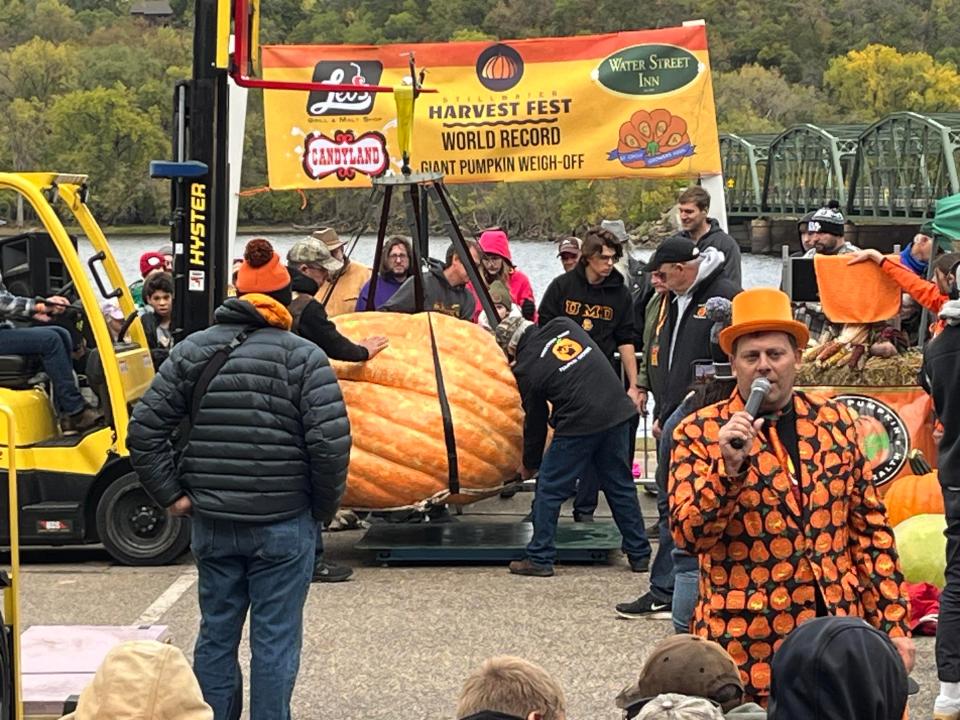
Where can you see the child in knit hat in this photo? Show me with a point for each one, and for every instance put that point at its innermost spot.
(502, 303)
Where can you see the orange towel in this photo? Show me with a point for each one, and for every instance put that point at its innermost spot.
(860, 293)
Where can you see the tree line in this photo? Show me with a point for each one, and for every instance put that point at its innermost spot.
(85, 86)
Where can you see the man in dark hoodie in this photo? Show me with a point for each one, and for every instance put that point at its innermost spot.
(310, 264)
(833, 668)
(265, 459)
(694, 206)
(444, 288)
(595, 296)
(940, 376)
(565, 381)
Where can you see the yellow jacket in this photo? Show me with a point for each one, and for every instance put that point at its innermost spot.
(142, 680)
(343, 299)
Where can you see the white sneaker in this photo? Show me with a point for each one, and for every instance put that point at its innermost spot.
(945, 708)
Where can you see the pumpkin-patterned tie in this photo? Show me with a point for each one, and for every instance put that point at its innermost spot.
(786, 462)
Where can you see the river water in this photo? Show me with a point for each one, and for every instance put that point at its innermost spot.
(537, 259)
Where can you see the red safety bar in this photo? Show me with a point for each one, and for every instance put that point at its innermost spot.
(241, 65)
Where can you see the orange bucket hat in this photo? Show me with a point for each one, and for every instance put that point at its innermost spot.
(758, 310)
(261, 270)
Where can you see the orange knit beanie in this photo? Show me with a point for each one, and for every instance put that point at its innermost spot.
(261, 270)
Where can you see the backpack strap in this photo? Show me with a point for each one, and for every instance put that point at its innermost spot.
(181, 435)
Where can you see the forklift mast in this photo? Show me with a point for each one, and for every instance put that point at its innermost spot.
(200, 183)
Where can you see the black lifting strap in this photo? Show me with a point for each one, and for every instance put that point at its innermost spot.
(448, 437)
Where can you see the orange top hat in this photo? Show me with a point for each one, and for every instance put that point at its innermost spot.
(762, 309)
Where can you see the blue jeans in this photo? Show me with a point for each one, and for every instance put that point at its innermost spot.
(54, 345)
(948, 626)
(686, 589)
(565, 460)
(662, 570)
(588, 486)
(265, 567)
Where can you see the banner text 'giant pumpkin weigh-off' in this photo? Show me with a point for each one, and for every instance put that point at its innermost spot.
(633, 104)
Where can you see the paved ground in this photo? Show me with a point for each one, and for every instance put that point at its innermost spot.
(397, 642)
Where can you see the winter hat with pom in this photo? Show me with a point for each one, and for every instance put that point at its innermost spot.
(261, 270)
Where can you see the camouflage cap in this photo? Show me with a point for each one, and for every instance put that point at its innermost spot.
(313, 251)
(509, 332)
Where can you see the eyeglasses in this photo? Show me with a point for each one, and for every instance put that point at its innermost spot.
(397, 256)
(490, 258)
(611, 259)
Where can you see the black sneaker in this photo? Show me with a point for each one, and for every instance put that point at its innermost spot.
(328, 573)
(640, 565)
(645, 606)
(583, 517)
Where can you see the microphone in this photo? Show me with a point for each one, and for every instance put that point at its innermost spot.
(758, 391)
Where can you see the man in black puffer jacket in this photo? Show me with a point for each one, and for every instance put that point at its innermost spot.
(265, 460)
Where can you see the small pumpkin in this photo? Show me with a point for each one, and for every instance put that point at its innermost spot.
(916, 494)
(656, 132)
(399, 456)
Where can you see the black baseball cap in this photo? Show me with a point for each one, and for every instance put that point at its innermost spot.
(675, 249)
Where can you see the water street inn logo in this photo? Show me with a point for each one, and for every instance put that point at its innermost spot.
(343, 72)
(499, 67)
(884, 438)
(648, 70)
(345, 155)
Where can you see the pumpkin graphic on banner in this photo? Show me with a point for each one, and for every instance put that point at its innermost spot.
(499, 67)
(655, 138)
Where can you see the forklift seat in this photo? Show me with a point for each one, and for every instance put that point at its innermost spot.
(20, 372)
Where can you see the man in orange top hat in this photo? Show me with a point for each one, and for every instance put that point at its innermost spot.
(780, 508)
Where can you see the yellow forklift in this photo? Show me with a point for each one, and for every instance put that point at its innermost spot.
(77, 489)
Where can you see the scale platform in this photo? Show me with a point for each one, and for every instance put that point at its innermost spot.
(478, 542)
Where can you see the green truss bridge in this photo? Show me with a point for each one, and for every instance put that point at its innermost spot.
(887, 177)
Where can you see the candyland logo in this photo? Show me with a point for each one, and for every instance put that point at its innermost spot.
(345, 155)
(343, 72)
(884, 438)
(654, 138)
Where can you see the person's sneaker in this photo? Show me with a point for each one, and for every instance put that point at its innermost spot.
(329, 573)
(528, 518)
(945, 708)
(80, 422)
(527, 567)
(583, 517)
(645, 606)
(640, 565)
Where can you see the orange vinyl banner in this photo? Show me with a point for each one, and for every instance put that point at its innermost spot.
(624, 105)
(890, 421)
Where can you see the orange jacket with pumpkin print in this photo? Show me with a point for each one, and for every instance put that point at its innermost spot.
(762, 555)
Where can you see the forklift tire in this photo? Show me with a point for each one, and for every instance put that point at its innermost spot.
(137, 531)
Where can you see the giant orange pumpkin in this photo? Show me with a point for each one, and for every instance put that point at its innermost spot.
(399, 455)
(916, 494)
(657, 132)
